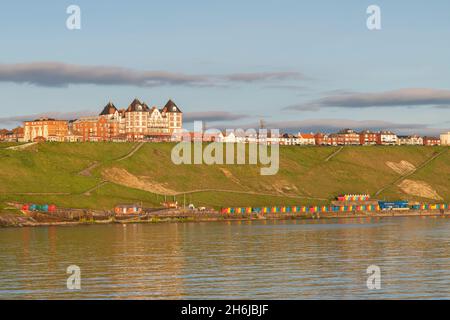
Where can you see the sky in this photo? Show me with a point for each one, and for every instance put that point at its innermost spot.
(297, 65)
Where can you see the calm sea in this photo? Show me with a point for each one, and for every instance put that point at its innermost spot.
(316, 259)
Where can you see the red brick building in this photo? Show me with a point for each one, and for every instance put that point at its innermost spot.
(94, 129)
(367, 137)
(3, 134)
(321, 139)
(431, 141)
(347, 137)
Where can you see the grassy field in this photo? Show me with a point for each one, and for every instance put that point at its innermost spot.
(50, 173)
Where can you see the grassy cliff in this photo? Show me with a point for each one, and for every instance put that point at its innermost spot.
(100, 175)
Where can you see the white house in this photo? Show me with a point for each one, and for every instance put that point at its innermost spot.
(445, 139)
(413, 140)
(229, 137)
(289, 140)
(306, 139)
(387, 138)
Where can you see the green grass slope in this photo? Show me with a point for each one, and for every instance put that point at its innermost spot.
(50, 173)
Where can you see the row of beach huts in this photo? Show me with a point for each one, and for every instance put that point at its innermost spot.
(325, 209)
(344, 203)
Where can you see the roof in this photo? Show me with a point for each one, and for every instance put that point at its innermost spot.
(44, 119)
(414, 136)
(171, 107)
(347, 131)
(137, 106)
(110, 108)
(306, 135)
(367, 132)
(320, 135)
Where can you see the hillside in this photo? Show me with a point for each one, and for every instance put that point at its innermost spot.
(100, 175)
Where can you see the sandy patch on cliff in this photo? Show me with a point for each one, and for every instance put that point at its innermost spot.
(284, 187)
(123, 177)
(419, 188)
(230, 176)
(403, 167)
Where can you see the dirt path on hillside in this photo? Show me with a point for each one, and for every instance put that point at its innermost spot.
(21, 146)
(230, 176)
(331, 156)
(132, 152)
(98, 186)
(253, 193)
(123, 177)
(88, 171)
(38, 193)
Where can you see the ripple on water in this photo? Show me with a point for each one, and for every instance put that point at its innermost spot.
(324, 259)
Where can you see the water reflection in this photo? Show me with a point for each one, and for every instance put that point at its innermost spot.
(251, 259)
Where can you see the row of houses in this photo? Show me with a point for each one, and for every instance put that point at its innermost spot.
(365, 137)
(138, 122)
(13, 135)
(97, 129)
(341, 138)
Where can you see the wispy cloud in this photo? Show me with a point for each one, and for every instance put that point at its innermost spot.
(292, 87)
(334, 125)
(57, 74)
(207, 116)
(411, 97)
(17, 120)
(213, 116)
(264, 76)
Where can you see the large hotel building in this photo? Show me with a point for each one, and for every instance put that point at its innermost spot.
(136, 123)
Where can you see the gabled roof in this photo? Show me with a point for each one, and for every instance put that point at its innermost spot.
(171, 107)
(110, 108)
(137, 106)
(367, 132)
(17, 130)
(306, 135)
(347, 131)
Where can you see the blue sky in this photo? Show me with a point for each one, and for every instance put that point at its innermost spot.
(298, 65)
